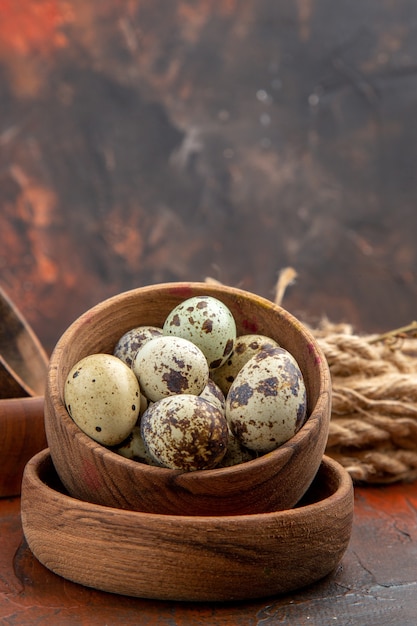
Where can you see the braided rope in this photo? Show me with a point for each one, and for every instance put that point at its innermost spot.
(373, 425)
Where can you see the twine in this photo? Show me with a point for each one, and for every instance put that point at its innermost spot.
(373, 425)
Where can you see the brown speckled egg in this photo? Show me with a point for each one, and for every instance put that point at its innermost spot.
(134, 448)
(102, 396)
(213, 393)
(245, 347)
(266, 404)
(167, 366)
(128, 345)
(208, 323)
(236, 453)
(185, 432)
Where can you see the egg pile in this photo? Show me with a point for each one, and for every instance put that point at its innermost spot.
(191, 394)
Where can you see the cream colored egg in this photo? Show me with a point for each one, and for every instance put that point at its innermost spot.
(185, 432)
(208, 323)
(166, 366)
(266, 404)
(102, 396)
(245, 347)
(129, 343)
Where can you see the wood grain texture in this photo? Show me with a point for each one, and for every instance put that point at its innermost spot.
(374, 584)
(276, 480)
(187, 558)
(22, 435)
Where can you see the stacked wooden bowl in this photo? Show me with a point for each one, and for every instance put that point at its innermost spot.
(265, 526)
(23, 367)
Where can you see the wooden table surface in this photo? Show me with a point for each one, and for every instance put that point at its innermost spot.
(375, 584)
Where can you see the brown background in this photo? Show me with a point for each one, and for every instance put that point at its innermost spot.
(151, 140)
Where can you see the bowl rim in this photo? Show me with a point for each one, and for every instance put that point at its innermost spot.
(321, 406)
(42, 461)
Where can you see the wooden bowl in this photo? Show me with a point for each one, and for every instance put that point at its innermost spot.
(23, 361)
(22, 435)
(274, 481)
(23, 367)
(192, 558)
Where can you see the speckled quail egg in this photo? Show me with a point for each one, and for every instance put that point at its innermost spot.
(236, 453)
(266, 404)
(102, 395)
(129, 343)
(170, 365)
(207, 322)
(245, 347)
(185, 432)
(213, 393)
(134, 448)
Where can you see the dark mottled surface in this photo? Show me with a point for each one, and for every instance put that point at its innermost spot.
(149, 141)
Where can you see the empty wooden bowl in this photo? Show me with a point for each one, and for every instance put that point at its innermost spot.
(193, 558)
(271, 482)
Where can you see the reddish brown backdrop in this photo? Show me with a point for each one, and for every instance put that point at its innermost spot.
(145, 141)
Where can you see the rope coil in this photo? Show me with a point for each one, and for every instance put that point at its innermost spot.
(373, 425)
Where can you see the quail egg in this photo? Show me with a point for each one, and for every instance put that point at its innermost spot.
(208, 323)
(102, 395)
(213, 393)
(266, 403)
(134, 448)
(236, 453)
(245, 347)
(185, 432)
(170, 365)
(129, 343)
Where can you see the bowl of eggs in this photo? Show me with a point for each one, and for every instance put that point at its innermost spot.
(186, 425)
(188, 399)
